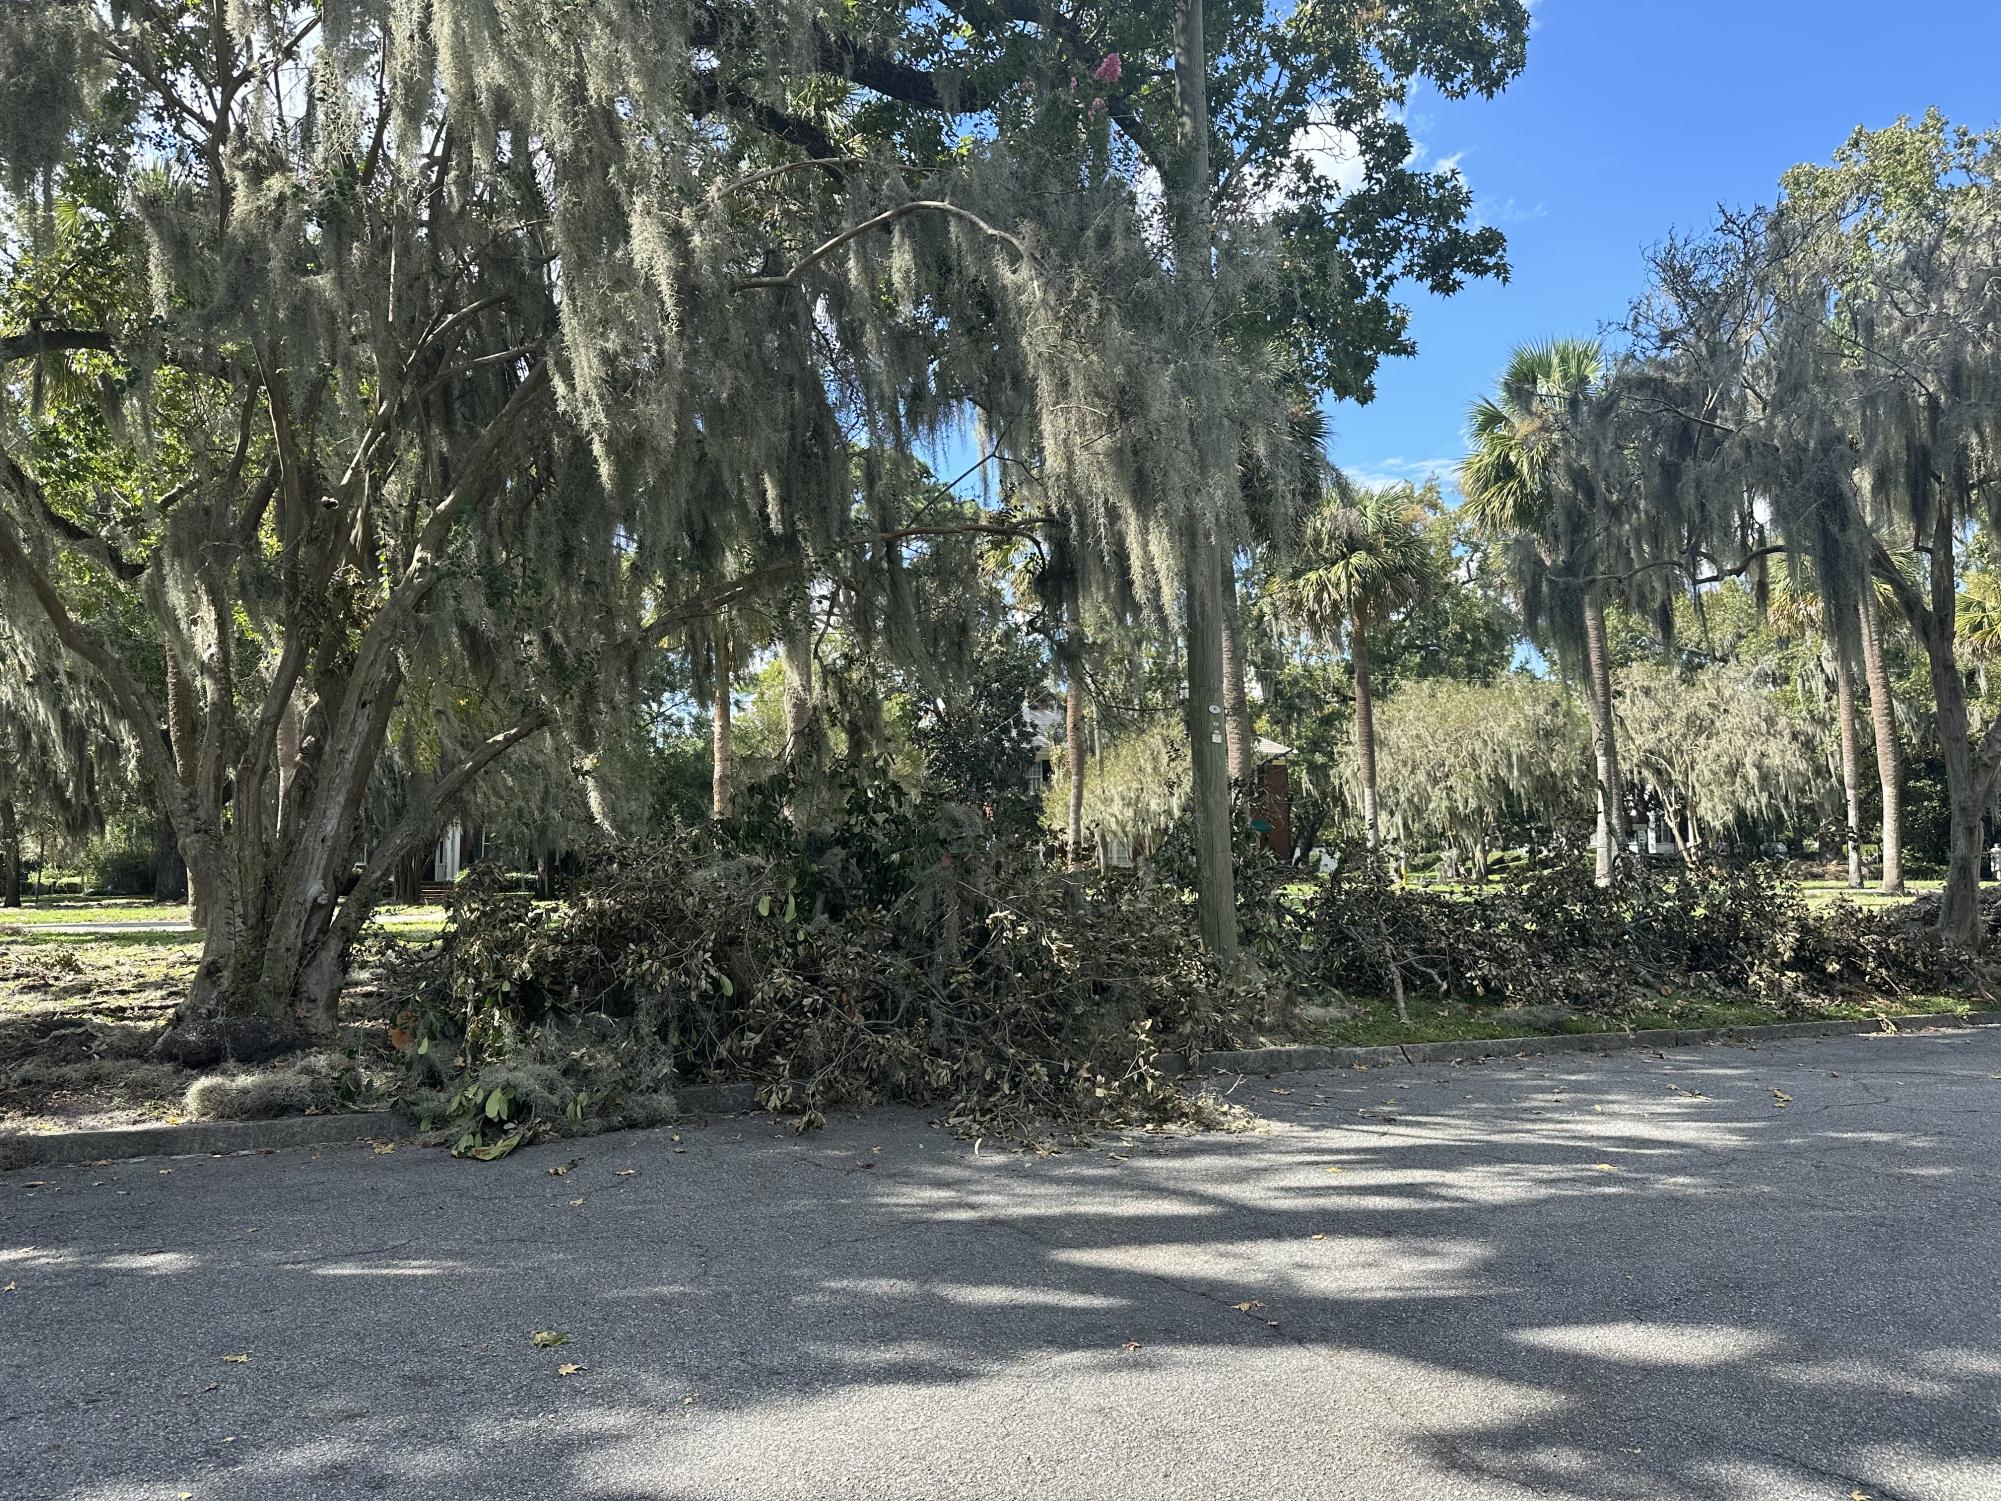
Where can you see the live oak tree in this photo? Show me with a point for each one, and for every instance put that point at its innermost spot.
(343, 353)
(530, 339)
(1831, 369)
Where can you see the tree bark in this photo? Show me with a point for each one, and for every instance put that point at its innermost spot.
(1202, 564)
(1216, 899)
(723, 739)
(184, 735)
(1365, 731)
(1237, 733)
(795, 649)
(288, 756)
(1851, 764)
(1959, 908)
(1073, 740)
(10, 854)
(1889, 759)
(1604, 746)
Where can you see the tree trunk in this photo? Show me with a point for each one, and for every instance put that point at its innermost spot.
(1365, 732)
(1073, 745)
(170, 871)
(1237, 732)
(184, 735)
(407, 884)
(10, 854)
(1959, 909)
(1851, 764)
(1889, 759)
(723, 739)
(1216, 899)
(1681, 845)
(795, 650)
(1604, 747)
(1202, 563)
(288, 761)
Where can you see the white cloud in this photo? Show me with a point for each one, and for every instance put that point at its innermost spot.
(1398, 470)
(1335, 153)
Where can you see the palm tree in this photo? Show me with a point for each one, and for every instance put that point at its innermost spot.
(1363, 557)
(1523, 486)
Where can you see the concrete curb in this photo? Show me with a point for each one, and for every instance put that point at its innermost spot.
(1284, 1060)
(199, 1138)
(219, 1138)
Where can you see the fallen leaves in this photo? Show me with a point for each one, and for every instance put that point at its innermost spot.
(1606, 1167)
(1251, 1305)
(237, 1359)
(569, 1370)
(627, 1172)
(557, 1172)
(1318, 1235)
(1129, 1346)
(1780, 1099)
(8, 1288)
(548, 1339)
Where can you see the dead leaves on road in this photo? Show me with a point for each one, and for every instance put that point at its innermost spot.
(548, 1339)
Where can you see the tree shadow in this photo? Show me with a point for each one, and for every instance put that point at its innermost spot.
(1726, 1274)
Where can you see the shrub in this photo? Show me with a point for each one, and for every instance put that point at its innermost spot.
(903, 951)
(1553, 936)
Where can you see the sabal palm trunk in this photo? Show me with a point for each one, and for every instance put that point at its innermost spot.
(1889, 759)
(1073, 756)
(1237, 731)
(1851, 764)
(1365, 732)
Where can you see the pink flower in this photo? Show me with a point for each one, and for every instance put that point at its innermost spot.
(1109, 70)
(1097, 108)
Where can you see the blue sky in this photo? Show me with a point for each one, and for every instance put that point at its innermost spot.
(1633, 118)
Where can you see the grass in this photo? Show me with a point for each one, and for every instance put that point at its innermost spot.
(41, 911)
(54, 911)
(1374, 1020)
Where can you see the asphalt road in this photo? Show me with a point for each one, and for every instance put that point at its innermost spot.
(1723, 1273)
